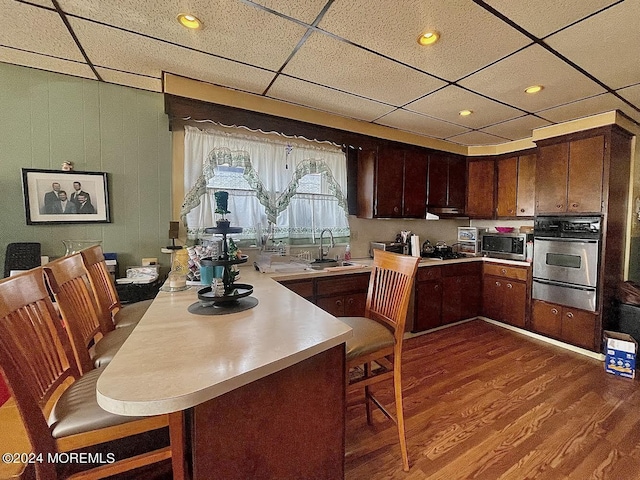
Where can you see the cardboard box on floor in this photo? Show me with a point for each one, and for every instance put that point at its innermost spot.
(620, 354)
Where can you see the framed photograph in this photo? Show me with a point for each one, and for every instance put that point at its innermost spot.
(57, 196)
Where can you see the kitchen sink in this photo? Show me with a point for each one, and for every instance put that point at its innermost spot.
(319, 264)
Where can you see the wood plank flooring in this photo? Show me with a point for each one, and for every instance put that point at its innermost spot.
(484, 402)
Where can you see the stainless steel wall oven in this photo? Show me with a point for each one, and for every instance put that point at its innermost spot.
(565, 260)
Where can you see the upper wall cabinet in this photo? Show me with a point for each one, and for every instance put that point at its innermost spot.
(446, 184)
(569, 176)
(480, 187)
(516, 186)
(392, 183)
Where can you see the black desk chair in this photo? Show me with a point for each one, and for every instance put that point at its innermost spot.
(21, 256)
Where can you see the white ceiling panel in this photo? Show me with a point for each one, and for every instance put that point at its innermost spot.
(43, 62)
(470, 36)
(606, 45)
(316, 96)
(306, 11)
(633, 95)
(327, 61)
(137, 81)
(587, 107)
(476, 138)
(421, 124)
(232, 29)
(446, 103)
(543, 17)
(120, 50)
(507, 79)
(51, 37)
(518, 128)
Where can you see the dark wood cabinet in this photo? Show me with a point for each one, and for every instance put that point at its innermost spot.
(343, 295)
(480, 188)
(392, 183)
(304, 288)
(571, 325)
(516, 186)
(569, 176)
(505, 293)
(428, 299)
(446, 184)
(461, 291)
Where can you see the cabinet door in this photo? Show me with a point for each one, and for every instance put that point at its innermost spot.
(428, 305)
(579, 327)
(507, 185)
(526, 196)
(354, 304)
(480, 187)
(546, 318)
(551, 178)
(438, 181)
(389, 183)
(304, 288)
(415, 184)
(452, 292)
(514, 307)
(586, 161)
(457, 182)
(492, 297)
(333, 305)
(471, 296)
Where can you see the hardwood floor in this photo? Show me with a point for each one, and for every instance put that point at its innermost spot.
(484, 402)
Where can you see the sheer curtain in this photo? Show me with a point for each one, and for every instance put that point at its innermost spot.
(283, 186)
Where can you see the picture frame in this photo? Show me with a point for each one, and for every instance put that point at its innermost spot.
(87, 197)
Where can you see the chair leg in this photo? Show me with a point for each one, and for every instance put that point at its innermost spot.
(397, 387)
(367, 394)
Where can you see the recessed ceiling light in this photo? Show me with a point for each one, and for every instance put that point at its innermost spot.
(465, 113)
(189, 21)
(533, 89)
(428, 38)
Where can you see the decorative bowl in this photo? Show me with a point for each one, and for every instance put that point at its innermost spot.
(504, 229)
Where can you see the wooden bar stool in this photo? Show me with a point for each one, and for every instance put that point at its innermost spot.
(374, 352)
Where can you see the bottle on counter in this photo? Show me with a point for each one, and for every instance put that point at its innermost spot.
(347, 253)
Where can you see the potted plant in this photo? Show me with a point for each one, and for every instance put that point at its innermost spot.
(222, 201)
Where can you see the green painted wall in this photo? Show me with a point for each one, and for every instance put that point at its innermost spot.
(47, 118)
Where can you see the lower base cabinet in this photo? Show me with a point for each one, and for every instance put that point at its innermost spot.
(505, 294)
(567, 324)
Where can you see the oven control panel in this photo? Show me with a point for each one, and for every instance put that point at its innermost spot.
(568, 227)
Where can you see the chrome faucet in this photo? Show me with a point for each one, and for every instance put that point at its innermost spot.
(331, 243)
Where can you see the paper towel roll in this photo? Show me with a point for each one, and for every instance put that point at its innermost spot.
(415, 246)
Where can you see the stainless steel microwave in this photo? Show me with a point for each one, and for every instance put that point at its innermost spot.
(510, 246)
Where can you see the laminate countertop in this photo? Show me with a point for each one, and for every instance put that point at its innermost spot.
(175, 360)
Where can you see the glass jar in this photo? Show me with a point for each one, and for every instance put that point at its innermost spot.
(74, 246)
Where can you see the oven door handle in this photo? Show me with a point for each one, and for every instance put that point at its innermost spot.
(564, 284)
(565, 239)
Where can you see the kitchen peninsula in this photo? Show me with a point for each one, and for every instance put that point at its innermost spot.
(263, 390)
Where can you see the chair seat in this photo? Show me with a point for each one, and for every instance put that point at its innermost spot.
(108, 346)
(77, 409)
(368, 336)
(131, 313)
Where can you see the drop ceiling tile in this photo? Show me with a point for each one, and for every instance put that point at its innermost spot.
(470, 37)
(46, 33)
(447, 102)
(232, 29)
(323, 98)
(306, 11)
(518, 128)
(605, 102)
(119, 50)
(507, 79)
(605, 45)
(42, 62)
(543, 17)
(633, 95)
(327, 61)
(421, 124)
(476, 138)
(130, 80)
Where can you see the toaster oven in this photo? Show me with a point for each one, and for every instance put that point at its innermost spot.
(395, 247)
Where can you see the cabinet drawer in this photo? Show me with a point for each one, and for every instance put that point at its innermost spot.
(508, 271)
(340, 284)
(428, 273)
(304, 288)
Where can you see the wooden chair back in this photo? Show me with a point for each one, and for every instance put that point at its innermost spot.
(84, 319)
(36, 357)
(390, 288)
(101, 282)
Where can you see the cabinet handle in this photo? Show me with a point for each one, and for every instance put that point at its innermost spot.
(574, 205)
(436, 287)
(509, 285)
(338, 303)
(395, 209)
(569, 315)
(503, 271)
(522, 210)
(554, 311)
(350, 301)
(559, 206)
(498, 284)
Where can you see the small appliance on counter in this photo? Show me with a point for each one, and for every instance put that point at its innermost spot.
(395, 247)
(470, 240)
